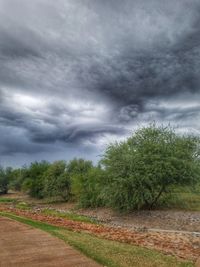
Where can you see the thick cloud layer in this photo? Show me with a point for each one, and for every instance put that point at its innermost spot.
(77, 74)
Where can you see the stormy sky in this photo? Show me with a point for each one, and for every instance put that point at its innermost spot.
(78, 74)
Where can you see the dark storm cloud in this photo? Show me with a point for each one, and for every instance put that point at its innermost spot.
(87, 71)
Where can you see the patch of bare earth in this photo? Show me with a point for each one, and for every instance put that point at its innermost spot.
(155, 219)
(24, 246)
(198, 263)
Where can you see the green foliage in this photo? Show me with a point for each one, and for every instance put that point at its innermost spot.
(142, 168)
(17, 178)
(33, 181)
(5, 175)
(79, 166)
(7, 200)
(182, 198)
(86, 182)
(78, 170)
(88, 186)
(57, 181)
(23, 206)
(69, 215)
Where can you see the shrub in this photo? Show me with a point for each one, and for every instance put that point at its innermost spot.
(87, 187)
(33, 181)
(57, 181)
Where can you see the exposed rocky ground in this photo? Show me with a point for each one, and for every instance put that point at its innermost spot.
(156, 219)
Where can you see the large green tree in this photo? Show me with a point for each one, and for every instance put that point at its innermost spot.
(140, 169)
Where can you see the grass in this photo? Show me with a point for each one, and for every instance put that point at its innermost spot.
(107, 253)
(7, 200)
(183, 198)
(69, 215)
(23, 206)
(18, 205)
(185, 201)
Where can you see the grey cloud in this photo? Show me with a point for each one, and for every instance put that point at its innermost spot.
(77, 71)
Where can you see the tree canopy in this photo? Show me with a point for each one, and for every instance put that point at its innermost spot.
(147, 164)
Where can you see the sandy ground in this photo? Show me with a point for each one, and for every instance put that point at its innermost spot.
(198, 263)
(24, 246)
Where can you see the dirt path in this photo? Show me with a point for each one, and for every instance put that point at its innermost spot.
(24, 246)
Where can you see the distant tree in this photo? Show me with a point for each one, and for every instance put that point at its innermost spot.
(16, 179)
(140, 169)
(79, 166)
(88, 187)
(57, 181)
(78, 170)
(3, 182)
(5, 177)
(33, 178)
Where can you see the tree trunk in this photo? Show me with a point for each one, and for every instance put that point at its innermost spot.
(157, 197)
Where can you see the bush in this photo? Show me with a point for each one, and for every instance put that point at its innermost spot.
(78, 170)
(57, 181)
(5, 175)
(33, 178)
(87, 187)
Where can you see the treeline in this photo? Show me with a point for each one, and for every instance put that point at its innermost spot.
(77, 180)
(132, 174)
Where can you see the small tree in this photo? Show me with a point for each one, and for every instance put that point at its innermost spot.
(3, 182)
(78, 170)
(5, 178)
(89, 187)
(57, 181)
(86, 182)
(16, 179)
(33, 180)
(145, 166)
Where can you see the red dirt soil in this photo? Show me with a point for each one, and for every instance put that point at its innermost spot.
(24, 246)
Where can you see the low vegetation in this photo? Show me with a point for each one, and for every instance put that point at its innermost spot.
(182, 198)
(68, 215)
(7, 200)
(108, 253)
(142, 172)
